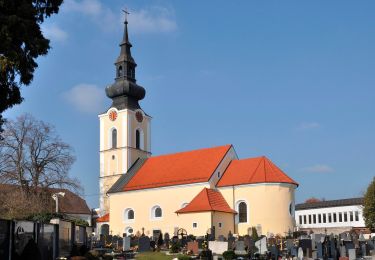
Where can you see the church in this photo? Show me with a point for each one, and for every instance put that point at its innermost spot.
(199, 190)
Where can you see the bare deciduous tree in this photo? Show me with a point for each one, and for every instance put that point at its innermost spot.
(33, 156)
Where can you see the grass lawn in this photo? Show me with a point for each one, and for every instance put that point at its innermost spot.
(154, 256)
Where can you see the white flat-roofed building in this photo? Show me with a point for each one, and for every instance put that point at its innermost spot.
(333, 216)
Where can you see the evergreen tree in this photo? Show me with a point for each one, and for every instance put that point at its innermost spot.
(369, 206)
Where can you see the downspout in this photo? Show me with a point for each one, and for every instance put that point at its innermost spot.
(234, 215)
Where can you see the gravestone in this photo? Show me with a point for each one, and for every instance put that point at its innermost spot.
(293, 252)
(221, 238)
(306, 246)
(289, 244)
(174, 239)
(319, 250)
(274, 252)
(364, 249)
(126, 244)
(144, 244)
(152, 244)
(240, 248)
(193, 247)
(261, 244)
(200, 241)
(351, 253)
(218, 247)
(342, 251)
(231, 242)
(249, 243)
(300, 253)
(166, 240)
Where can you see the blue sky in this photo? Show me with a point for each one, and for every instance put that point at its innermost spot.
(292, 80)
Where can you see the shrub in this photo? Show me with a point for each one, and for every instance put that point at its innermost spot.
(228, 255)
(175, 248)
(183, 257)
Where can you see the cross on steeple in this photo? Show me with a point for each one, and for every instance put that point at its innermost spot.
(126, 14)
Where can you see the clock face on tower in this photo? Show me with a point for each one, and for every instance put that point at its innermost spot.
(112, 115)
(139, 116)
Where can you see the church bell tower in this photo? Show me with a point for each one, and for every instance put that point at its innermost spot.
(125, 129)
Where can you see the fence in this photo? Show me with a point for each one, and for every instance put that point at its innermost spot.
(33, 240)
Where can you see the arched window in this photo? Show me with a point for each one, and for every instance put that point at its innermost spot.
(242, 212)
(137, 139)
(119, 71)
(114, 138)
(129, 215)
(156, 212)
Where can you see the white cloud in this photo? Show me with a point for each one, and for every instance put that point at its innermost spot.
(148, 20)
(87, 7)
(152, 20)
(308, 125)
(86, 98)
(54, 33)
(318, 168)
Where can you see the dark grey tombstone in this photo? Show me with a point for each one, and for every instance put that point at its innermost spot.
(231, 242)
(342, 251)
(274, 252)
(306, 246)
(152, 244)
(319, 250)
(221, 238)
(167, 240)
(293, 251)
(248, 242)
(364, 249)
(240, 245)
(144, 244)
(200, 241)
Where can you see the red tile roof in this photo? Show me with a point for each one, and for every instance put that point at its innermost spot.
(253, 170)
(104, 218)
(207, 200)
(179, 168)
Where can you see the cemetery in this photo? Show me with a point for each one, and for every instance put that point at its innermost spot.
(296, 246)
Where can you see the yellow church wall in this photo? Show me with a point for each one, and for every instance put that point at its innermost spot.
(170, 199)
(227, 223)
(202, 219)
(267, 206)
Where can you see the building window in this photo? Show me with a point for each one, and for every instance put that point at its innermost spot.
(113, 157)
(242, 212)
(156, 212)
(329, 218)
(195, 225)
(291, 209)
(345, 216)
(351, 216)
(114, 138)
(356, 216)
(129, 214)
(139, 141)
(220, 225)
(324, 218)
(340, 216)
(300, 219)
(310, 222)
(334, 217)
(314, 218)
(304, 219)
(119, 71)
(218, 174)
(183, 205)
(320, 218)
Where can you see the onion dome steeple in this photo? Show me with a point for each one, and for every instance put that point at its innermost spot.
(125, 92)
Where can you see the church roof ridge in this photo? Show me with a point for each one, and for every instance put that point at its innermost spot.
(177, 169)
(253, 170)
